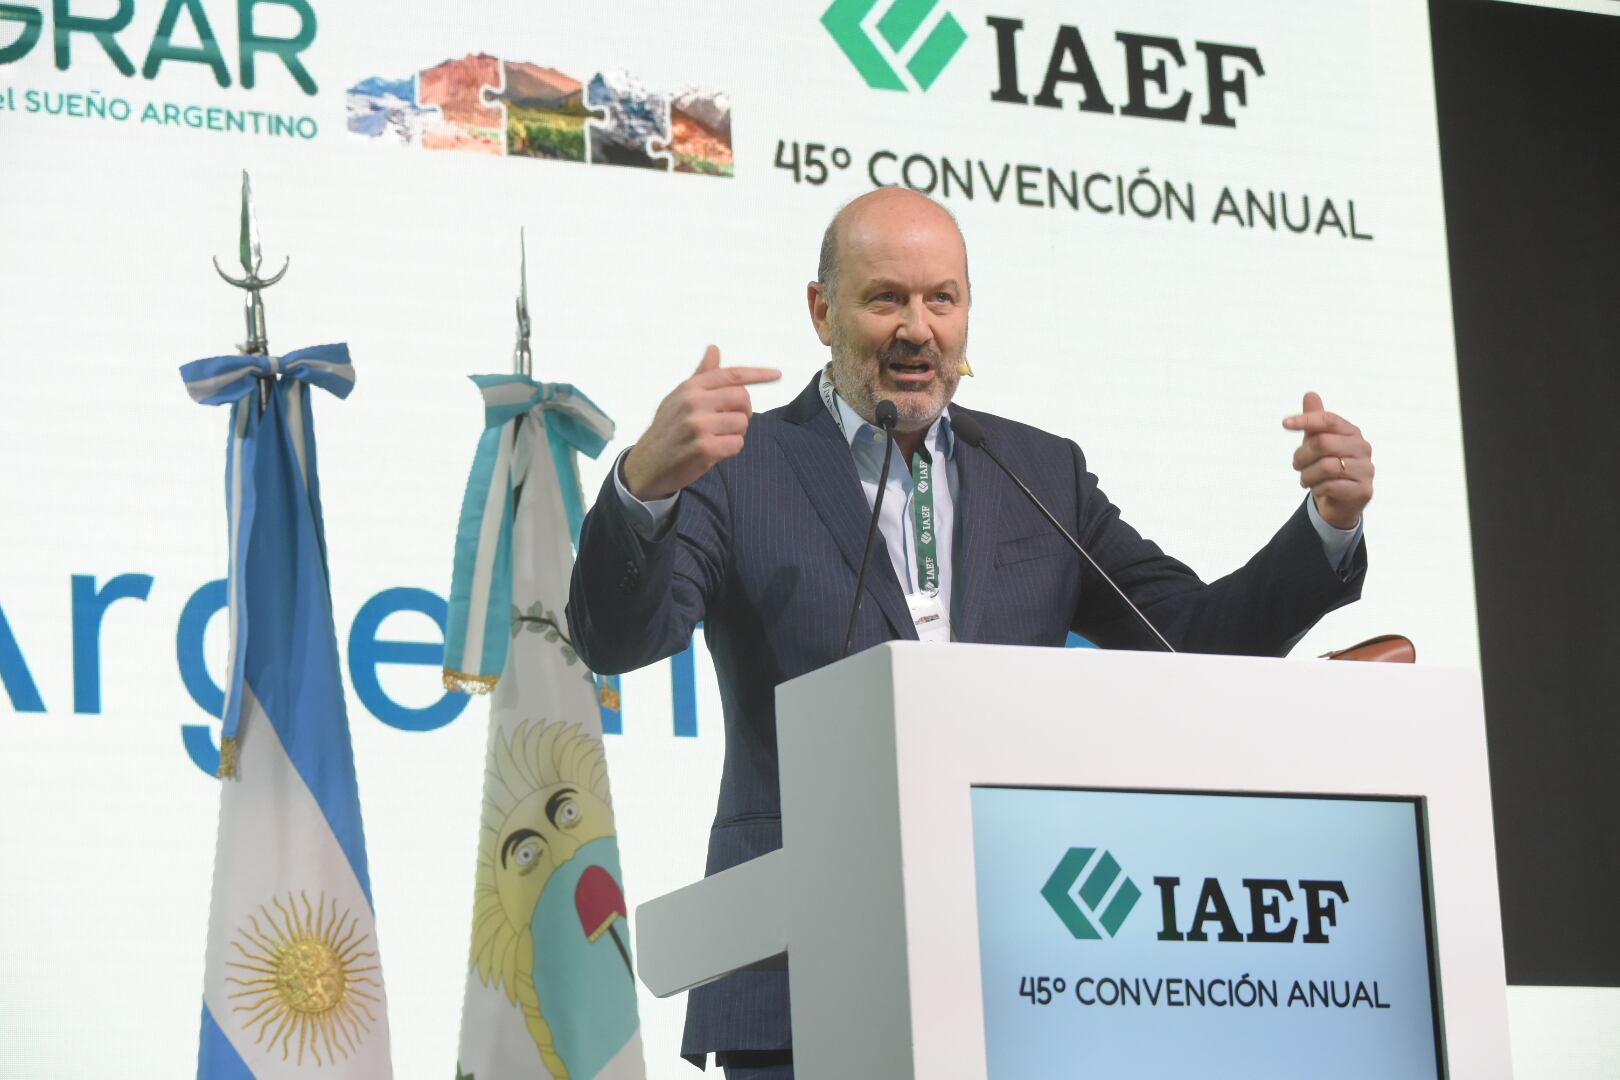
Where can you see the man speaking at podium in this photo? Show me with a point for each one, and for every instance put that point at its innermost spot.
(757, 526)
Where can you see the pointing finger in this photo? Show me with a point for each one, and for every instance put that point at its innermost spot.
(1317, 422)
(1311, 404)
(714, 378)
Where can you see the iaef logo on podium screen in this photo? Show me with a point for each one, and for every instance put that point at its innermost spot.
(1091, 895)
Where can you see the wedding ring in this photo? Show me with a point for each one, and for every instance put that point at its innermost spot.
(1344, 470)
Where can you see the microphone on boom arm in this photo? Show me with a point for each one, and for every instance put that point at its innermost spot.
(968, 430)
(887, 416)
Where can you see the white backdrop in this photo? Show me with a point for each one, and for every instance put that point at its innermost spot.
(1169, 348)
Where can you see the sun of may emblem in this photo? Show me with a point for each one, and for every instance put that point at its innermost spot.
(305, 980)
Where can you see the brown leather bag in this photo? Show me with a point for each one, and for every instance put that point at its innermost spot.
(1388, 648)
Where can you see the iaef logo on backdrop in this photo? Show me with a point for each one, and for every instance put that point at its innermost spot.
(898, 28)
(908, 44)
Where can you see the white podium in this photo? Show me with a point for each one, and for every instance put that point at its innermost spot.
(892, 759)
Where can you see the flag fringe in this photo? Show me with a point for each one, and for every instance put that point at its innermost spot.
(469, 684)
(228, 752)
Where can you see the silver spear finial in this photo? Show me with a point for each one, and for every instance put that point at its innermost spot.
(252, 257)
(522, 359)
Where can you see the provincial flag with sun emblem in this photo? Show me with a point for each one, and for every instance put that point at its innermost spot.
(550, 985)
(291, 985)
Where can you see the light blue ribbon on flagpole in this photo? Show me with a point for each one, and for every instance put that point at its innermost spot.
(235, 381)
(479, 624)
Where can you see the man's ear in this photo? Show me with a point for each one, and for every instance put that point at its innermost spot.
(817, 299)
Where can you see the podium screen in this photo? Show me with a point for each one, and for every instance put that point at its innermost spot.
(1149, 933)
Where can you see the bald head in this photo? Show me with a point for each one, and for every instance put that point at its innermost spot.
(879, 215)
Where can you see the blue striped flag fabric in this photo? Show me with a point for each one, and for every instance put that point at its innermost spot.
(292, 984)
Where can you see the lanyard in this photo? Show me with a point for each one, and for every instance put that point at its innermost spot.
(922, 500)
(922, 514)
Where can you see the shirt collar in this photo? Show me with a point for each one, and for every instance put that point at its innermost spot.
(940, 439)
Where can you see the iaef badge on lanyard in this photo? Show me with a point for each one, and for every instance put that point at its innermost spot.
(928, 617)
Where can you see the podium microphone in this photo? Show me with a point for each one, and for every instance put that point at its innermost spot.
(967, 429)
(887, 416)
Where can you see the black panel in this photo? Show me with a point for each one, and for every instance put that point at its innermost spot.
(1529, 109)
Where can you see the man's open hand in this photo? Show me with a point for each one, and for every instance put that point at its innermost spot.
(700, 424)
(1334, 461)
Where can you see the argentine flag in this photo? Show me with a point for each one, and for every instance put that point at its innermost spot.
(550, 988)
(293, 985)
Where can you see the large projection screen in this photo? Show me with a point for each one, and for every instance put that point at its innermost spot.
(1180, 215)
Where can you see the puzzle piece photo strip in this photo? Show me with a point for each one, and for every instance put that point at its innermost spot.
(486, 105)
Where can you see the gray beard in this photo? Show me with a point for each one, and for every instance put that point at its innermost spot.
(863, 396)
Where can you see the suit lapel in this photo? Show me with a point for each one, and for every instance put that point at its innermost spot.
(820, 455)
(978, 512)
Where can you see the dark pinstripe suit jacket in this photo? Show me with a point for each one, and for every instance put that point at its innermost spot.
(765, 548)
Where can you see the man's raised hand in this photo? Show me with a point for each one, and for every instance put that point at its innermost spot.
(1334, 461)
(700, 424)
